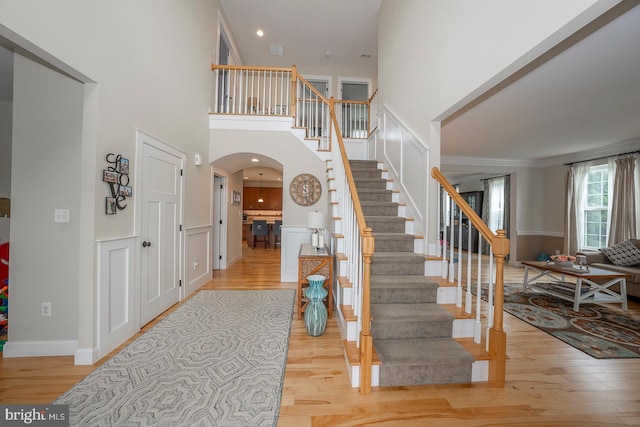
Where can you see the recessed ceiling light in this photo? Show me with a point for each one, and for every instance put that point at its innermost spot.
(246, 177)
(255, 160)
(260, 33)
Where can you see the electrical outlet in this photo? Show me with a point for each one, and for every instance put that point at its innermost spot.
(46, 309)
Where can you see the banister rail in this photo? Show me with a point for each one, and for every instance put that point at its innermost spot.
(282, 91)
(499, 243)
(367, 246)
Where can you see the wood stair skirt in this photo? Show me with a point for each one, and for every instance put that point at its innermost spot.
(412, 334)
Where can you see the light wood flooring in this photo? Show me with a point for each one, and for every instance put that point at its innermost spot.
(548, 382)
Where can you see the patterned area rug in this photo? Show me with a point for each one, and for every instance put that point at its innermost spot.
(218, 360)
(596, 330)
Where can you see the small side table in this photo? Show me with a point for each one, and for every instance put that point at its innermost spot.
(311, 262)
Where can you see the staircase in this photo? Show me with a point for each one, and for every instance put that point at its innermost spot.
(412, 334)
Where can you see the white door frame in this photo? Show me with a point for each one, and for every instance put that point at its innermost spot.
(143, 138)
(360, 80)
(219, 222)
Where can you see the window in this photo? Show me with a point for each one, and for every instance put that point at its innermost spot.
(496, 203)
(446, 206)
(596, 207)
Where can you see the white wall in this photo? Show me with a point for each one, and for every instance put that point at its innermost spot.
(449, 52)
(144, 64)
(47, 138)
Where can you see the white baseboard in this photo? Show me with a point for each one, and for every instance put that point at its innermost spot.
(39, 348)
(86, 356)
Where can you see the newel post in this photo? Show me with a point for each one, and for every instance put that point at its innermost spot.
(497, 336)
(366, 341)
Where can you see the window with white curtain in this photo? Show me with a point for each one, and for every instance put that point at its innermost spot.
(446, 205)
(595, 209)
(496, 203)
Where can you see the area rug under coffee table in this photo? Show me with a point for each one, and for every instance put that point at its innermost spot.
(596, 330)
(217, 360)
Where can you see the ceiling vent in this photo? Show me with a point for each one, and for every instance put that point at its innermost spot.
(275, 49)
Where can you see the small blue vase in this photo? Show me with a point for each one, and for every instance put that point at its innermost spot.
(315, 313)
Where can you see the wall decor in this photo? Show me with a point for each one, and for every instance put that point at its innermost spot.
(117, 176)
(110, 207)
(236, 197)
(305, 189)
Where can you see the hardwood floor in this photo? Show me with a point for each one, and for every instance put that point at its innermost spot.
(548, 382)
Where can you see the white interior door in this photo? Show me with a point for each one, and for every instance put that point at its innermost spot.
(161, 216)
(219, 226)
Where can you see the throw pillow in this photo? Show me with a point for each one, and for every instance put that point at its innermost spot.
(623, 254)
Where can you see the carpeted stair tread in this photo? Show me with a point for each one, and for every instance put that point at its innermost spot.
(403, 289)
(379, 208)
(385, 224)
(401, 263)
(375, 194)
(427, 312)
(393, 257)
(394, 242)
(366, 173)
(370, 183)
(381, 281)
(407, 352)
(416, 361)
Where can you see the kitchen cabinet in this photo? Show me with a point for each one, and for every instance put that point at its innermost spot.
(272, 197)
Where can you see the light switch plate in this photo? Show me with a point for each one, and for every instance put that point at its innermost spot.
(61, 215)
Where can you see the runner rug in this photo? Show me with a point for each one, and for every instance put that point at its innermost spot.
(217, 360)
(599, 331)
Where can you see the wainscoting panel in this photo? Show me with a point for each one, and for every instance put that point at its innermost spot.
(292, 238)
(403, 154)
(116, 293)
(197, 258)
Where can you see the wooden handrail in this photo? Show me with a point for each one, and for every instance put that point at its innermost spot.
(348, 101)
(249, 68)
(368, 247)
(470, 213)
(313, 89)
(500, 248)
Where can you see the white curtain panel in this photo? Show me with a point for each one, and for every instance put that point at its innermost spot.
(574, 224)
(623, 216)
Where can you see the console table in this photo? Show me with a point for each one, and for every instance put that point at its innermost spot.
(592, 292)
(311, 262)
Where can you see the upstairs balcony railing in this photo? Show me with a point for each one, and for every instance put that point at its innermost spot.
(274, 91)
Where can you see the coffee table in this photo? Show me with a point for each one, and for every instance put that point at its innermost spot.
(596, 293)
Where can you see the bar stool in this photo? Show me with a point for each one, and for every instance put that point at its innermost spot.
(259, 228)
(277, 233)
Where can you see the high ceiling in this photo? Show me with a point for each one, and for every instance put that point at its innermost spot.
(585, 100)
(328, 34)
